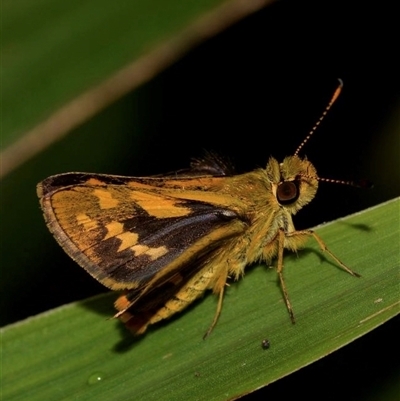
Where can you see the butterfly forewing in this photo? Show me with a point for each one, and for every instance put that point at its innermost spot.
(124, 230)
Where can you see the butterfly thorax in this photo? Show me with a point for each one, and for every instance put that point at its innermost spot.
(269, 198)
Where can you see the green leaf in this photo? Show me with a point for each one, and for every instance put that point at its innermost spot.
(73, 352)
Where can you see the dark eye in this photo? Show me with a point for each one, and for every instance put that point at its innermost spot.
(287, 192)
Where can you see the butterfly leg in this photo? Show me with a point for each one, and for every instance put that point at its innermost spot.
(217, 314)
(293, 241)
(310, 233)
(219, 288)
(281, 245)
(324, 248)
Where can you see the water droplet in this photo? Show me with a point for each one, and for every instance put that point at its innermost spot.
(95, 378)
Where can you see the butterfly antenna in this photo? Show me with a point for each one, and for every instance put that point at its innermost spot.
(363, 183)
(330, 104)
(357, 184)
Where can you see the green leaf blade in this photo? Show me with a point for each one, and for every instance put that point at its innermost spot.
(62, 353)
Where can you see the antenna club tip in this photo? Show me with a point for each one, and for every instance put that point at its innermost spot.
(337, 91)
(327, 108)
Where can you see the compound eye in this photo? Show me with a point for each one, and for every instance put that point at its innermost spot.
(287, 192)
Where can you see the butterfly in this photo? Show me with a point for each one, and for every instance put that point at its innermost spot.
(165, 240)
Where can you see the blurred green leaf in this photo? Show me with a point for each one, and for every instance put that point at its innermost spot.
(63, 62)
